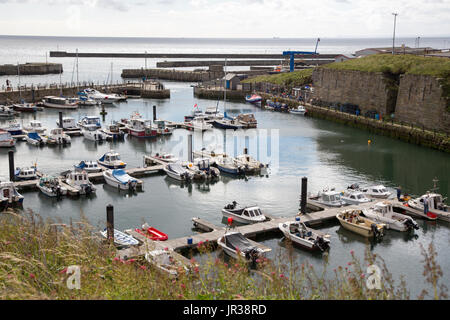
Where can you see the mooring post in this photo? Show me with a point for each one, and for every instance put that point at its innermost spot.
(245, 151)
(190, 148)
(61, 120)
(303, 195)
(154, 113)
(11, 165)
(110, 223)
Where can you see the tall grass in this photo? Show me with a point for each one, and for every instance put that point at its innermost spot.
(35, 254)
(292, 79)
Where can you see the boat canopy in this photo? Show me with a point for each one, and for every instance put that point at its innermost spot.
(238, 241)
(176, 167)
(34, 136)
(122, 176)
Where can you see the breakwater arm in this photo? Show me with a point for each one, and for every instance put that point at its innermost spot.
(30, 69)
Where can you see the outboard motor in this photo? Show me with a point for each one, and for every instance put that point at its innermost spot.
(377, 235)
(132, 186)
(58, 193)
(252, 255)
(410, 224)
(321, 244)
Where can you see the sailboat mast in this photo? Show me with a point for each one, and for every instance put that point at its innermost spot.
(60, 82)
(18, 74)
(78, 83)
(225, 87)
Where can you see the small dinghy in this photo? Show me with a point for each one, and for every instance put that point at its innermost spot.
(25, 173)
(34, 139)
(177, 172)
(50, 186)
(248, 214)
(354, 197)
(111, 160)
(303, 236)
(120, 238)
(300, 110)
(118, 178)
(382, 212)
(88, 166)
(9, 196)
(253, 98)
(80, 181)
(353, 221)
(166, 262)
(152, 233)
(237, 246)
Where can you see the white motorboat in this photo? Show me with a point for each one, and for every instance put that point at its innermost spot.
(166, 262)
(243, 214)
(177, 172)
(162, 128)
(111, 160)
(166, 157)
(330, 198)
(50, 186)
(204, 164)
(436, 205)
(6, 140)
(379, 191)
(57, 136)
(88, 166)
(9, 195)
(80, 181)
(300, 110)
(34, 139)
(382, 212)
(25, 173)
(68, 123)
(14, 128)
(118, 178)
(353, 220)
(237, 246)
(93, 134)
(89, 122)
(102, 97)
(7, 112)
(59, 103)
(199, 125)
(228, 165)
(354, 197)
(120, 238)
(112, 132)
(307, 238)
(35, 126)
(85, 101)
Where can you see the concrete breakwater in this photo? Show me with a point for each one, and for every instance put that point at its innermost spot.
(30, 69)
(181, 64)
(218, 93)
(175, 75)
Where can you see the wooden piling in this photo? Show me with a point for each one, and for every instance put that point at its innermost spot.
(190, 148)
(303, 195)
(61, 125)
(110, 223)
(154, 113)
(11, 165)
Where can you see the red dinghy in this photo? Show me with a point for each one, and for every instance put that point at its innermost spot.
(152, 233)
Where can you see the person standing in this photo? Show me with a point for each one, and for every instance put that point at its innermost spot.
(425, 205)
(399, 192)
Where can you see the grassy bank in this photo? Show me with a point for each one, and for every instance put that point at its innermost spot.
(291, 79)
(35, 255)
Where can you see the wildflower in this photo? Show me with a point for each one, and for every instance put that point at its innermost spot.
(32, 276)
(281, 275)
(349, 263)
(131, 260)
(116, 259)
(236, 265)
(183, 286)
(225, 264)
(217, 261)
(258, 260)
(180, 296)
(200, 244)
(166, 248)
(192, 260)
(143, 267)
(196, 269)
(352, 252)
(362, 275)
(63, 271)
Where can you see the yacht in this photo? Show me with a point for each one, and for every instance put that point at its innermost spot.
(93, 134)
(111, 160)
(59, 103)
(88, 122)
(102, 97)
(354, 197)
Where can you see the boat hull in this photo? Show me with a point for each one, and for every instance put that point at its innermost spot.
(60, 106)
(241, 219)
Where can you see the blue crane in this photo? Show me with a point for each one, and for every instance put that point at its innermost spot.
(291, 55)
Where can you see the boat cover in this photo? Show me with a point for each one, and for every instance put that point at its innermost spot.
(122, 176)
(34, 136)
(81, 165)
(237, 240)
(176, 168)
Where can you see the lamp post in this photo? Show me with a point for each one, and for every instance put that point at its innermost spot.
(393, 37)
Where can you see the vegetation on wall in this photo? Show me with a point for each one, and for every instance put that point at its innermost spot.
(291, 79)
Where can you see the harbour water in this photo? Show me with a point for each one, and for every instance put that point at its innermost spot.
(329, 154)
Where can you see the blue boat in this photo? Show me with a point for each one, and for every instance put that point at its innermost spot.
(111, 160)
(227, 124)
(34, 139)
(118, 178)
(228, 165)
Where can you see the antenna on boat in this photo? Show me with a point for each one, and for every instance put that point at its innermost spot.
(435, 187)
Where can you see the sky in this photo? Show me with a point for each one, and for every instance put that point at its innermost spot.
(225, 18)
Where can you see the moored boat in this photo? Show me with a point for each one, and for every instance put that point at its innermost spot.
(6, 140)
(300, 110)
(253, 98)
(141, 128)
(166, 262)
(118, 178)
(436, 206)
(152, 233)
(79, 180)
(330, 198)
(57, 136)
(177, 172)
(9, 196)
(378, 191)
(7, 112)
(120, 238)
(35, 126)
(58, 103)
(25, 173)
(14, 128)
(307, 238)
(93, 134)
(112, 132)
(237, 246)
(26, 107)
(382, 212)
(228, 165)
(353, 221)
(88, 166)
(354, 197)
(68, 123)
(50, 186)
(243, 214)
(34, 139)
(111, 160)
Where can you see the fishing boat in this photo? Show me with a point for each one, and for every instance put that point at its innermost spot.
(301, 235)
(243, 214)
(354, 197)
(68, 123)
(25, 173)
(112, 132)
(26, 107)
(6, 140)
(14, 128)
(204, 164)
(196, 111)
(34, 139)
(382, 212)
(89, 122)
(35, 126)
(353, 221)
(102, 97)
(51, 186)
(436, 206)
(249, 164)
(228, 165)
(177, 172)
(79, 180)
(166, 157)
(247, 120)
(120, 238)
(253, 98)
(93, 134)
(141, 128)
(57, 136)
(111, 160)
(330, 198)
(9, 196)
(379, 191)
(88, 166)
(59, 103)
(7, 112)
(237, 246)
(118, 178)
(199, 124)
(152, 233)
(300, 110)
(162, 128)
(227, 124)
(166, 262)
